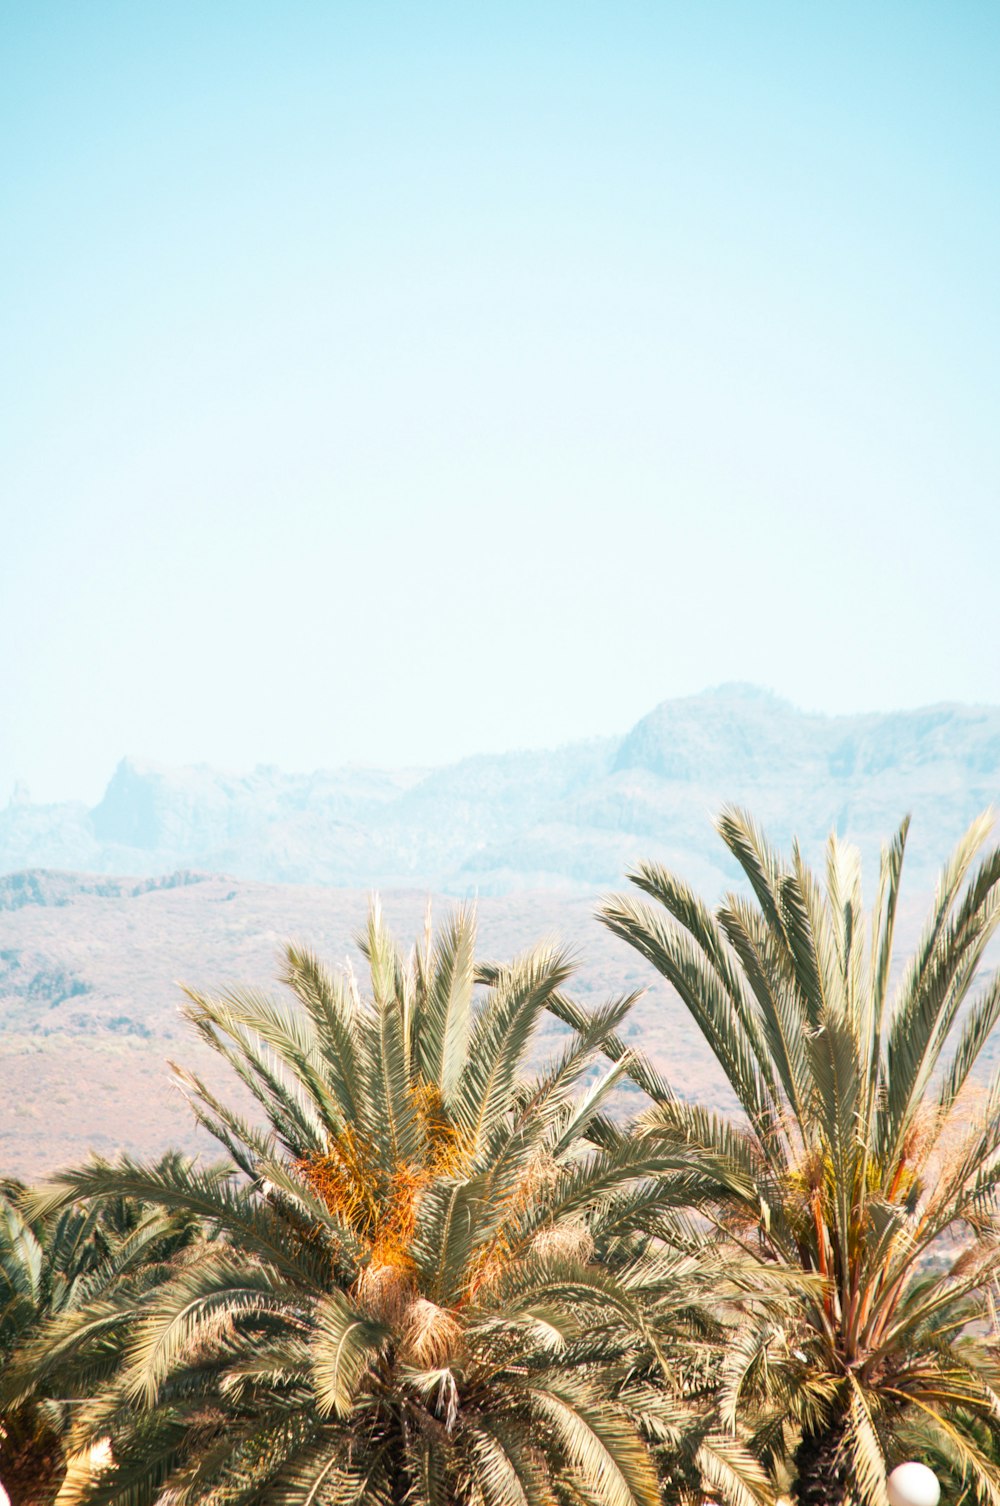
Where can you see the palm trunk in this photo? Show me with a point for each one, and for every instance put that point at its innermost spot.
(821, 1466)
(30, 1473)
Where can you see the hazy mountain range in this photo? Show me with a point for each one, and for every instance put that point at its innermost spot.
(568, 819)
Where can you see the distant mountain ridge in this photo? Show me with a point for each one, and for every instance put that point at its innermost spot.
(571, 819)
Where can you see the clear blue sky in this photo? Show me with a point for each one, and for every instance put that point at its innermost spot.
(392, 382)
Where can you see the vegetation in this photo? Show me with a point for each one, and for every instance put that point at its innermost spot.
(429, 1270)
(863, 1155)
(423, 1282)
(52, 1267)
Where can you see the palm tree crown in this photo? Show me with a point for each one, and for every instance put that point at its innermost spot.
(864, 1155)
(401, 1298)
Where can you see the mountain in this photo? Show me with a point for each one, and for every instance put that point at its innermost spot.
(570, 820)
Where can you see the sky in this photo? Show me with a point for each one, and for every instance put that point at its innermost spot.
(388, 383)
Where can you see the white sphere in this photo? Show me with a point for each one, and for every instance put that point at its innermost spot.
(913, 1485)
(4, 1497)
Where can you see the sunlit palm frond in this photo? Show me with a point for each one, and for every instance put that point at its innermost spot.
(864, 1154)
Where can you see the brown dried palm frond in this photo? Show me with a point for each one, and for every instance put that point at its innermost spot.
(430, 1337)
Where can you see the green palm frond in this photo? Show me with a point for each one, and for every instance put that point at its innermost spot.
(343, 1346)
(446, 1018)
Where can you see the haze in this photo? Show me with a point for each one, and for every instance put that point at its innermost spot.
(389, 383)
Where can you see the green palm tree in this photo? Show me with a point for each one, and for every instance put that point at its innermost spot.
(51, 1267)
(864, 1156)
(423, 1285)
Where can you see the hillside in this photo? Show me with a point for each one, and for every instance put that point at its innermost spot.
(90, 998)
(570, 820)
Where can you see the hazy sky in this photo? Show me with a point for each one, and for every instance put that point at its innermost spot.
(389, 383)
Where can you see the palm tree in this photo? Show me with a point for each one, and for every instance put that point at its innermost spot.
(51, 1267)
(402, 1300)
(29, 1439)
(864, 1156)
